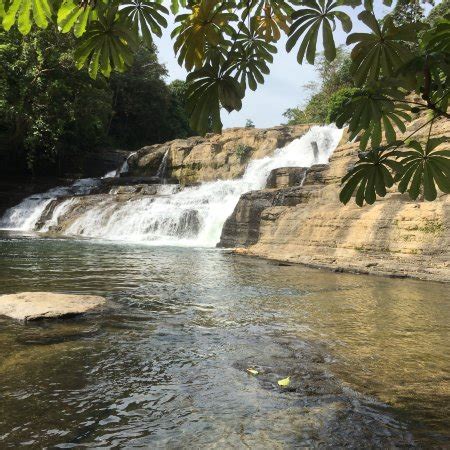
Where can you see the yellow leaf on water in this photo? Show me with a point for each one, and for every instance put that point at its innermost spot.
(284, 382)
(253, 371)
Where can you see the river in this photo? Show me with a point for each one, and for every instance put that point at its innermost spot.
(166, 365)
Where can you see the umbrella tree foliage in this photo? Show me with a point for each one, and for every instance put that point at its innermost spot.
(228, 46)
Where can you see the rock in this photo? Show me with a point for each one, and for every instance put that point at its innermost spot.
(285, 177)
(307, 224)
(242, 227)
(29, 306)
(216, 156)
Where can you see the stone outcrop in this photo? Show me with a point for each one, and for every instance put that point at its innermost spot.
(308, 224)
(285, 177)
(28, 306)
(214, 157)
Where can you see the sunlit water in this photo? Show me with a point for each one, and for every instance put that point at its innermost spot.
(165, 366)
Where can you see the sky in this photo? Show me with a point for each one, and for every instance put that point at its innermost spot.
(283, 87)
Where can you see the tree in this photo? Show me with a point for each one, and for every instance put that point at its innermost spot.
(50, 113)
(249, 123)
(145, 110)
(228, 46)
(333, 76)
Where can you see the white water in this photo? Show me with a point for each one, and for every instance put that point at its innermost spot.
(25, 215)
(193, 216)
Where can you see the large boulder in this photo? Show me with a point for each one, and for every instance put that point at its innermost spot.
(29, 306)
(286, 177)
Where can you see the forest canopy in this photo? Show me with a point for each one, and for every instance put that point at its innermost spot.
(398, 67)
(52, 115)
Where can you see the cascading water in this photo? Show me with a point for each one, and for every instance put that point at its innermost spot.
(193, 216)
(26, 214)
(162, 169)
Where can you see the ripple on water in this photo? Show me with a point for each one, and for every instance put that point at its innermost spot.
(167, 366)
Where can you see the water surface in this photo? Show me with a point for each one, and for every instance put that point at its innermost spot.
(165, 366)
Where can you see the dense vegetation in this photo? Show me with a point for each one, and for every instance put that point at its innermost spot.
(228, 46)
(335, 85)
(52, 115)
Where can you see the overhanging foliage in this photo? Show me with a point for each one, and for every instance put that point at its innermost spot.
(227, 46)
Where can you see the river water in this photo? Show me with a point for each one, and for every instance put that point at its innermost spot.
(165, 365)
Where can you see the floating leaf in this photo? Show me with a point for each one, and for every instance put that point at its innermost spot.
(284, 382)
(252, 371)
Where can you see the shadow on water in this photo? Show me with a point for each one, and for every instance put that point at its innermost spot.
(167, 366)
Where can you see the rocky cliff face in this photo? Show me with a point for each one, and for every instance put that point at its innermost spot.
(307, 224)
(215, 157)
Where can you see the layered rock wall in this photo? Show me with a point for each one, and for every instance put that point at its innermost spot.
(215, 157)
(308, 224)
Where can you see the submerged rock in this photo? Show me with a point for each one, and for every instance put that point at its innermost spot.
(29, 306)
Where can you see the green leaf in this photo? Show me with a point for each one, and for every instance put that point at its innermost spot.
(209, 24)
(24, 13)
(248, 61)
(381, 52)
(370, 177)
(208, 90)
(372, 111)
(307, 22)
(437, 39)
(145, 17)
(425, 168)
(71, 16)
(108, 44)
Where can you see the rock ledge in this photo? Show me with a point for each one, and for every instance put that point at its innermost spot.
(28, 306)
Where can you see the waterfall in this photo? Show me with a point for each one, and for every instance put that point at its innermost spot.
(25, 215)
(193, 216)
(125, 166)
(162, 169)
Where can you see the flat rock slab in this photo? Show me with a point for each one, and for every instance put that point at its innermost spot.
(47, 305)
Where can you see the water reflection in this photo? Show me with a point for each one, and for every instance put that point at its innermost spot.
(166, 367)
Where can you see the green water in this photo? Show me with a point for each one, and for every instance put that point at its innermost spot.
(165, 365)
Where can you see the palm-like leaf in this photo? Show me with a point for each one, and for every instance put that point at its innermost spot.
(438, 38)
(176, 4)
(381, 52)
(107, 44)
(250, 56)
(425, 167)
(308, 21)
(208, 23)
(370, 176)
(146, 17)
(70, 15)
(208, 91)
(370, 112)
(270, 17)
(21, 11)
